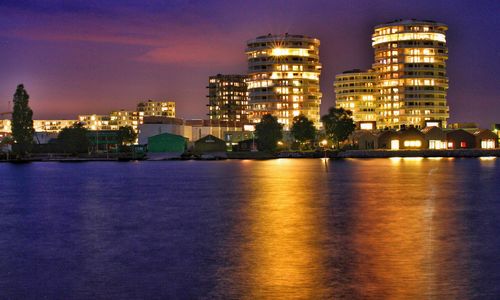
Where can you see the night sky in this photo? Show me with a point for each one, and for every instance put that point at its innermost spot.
(77, 57)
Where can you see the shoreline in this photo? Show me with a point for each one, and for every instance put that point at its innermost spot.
(461, 153)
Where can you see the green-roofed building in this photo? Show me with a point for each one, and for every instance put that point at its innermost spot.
(167, 143)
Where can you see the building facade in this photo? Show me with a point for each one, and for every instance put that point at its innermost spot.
(284, 73)
(227, 98)
(95, 122)
(152, 108)
(355, 91)
(124, 118)
(52, 125)
(410, 63)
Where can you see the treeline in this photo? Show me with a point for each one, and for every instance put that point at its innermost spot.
(72, 140)
(337, 126)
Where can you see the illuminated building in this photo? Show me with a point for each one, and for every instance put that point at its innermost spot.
(52, 125)
(95, 122)
(5, 126)
(283, 79)
(40, 125)
(124, 118)
(410, 62)
(152, 108)
(227, 98)
(354, 91)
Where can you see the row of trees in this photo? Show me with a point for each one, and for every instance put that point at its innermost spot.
(338, 125)
(74, 139)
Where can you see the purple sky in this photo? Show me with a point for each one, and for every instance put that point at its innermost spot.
(86, 57)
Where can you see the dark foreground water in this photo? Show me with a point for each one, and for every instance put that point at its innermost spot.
(277, 229)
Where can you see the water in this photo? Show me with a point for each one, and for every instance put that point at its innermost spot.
(288, 229)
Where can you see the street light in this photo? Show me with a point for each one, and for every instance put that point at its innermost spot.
(324, 143)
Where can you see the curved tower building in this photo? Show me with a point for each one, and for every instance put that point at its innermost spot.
(283, 78)
(410, 62)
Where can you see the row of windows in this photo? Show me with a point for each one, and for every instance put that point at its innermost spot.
(284, 43)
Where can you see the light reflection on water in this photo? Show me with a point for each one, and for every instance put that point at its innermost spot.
(400, 228)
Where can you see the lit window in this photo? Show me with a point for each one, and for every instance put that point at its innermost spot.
(487, 144)
(413, 144)
(395, 144)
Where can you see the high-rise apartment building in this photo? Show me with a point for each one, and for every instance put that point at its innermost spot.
(355, 91)
(227, 98)
(283, 79)
(410, 62)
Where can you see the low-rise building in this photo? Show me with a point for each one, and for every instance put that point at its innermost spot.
(151, 108)
(209, 144)
(167, 143)
(388, 139)
(486, 139)
(123, 118)
(95, 122)
(52, 125)
(460, 139)
(365, 139)
(435, 137)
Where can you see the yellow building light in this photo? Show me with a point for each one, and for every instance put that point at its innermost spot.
(413, 144)
(395, 145)
(440, 37)
(278, 51)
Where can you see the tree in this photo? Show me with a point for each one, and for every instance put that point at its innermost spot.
(303, 129)
(22, 122)
(338, 124)
(268, 132)
(74, 139)
(126, 135)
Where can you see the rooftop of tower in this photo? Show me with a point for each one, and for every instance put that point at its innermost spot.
(411, 22)
(271, 37)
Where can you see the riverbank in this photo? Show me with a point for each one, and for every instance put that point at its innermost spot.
(462, 153)
(458, 153)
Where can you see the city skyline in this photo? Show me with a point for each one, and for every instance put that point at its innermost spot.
(75, 59)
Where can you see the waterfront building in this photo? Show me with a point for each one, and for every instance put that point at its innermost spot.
(95, 122)
(355, 91)
(52, 125)
(124, 118)
(209, 144)
(410, 62)
(486, 139)
(365, 139)
(227, 98)
(460, 139)
(283, 78)
(167, 143)
(152, 108)
(435, 137)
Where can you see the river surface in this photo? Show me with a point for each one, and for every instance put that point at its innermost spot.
(276, 229)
